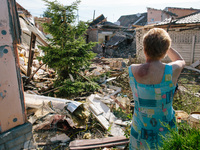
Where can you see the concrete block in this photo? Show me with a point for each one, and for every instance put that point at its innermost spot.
(15, 132)
(4, 137)
(2, 147)
(21, 130)
(15, 142)
(28, 136)
(18, 147)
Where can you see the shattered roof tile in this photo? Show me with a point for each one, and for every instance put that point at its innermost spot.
(193, 18)
(189, 19)
(138, 19)
(167, 21)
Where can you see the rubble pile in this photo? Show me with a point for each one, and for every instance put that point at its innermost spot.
(119, 49)
(41, 78)
(101, 119)
(58, 122)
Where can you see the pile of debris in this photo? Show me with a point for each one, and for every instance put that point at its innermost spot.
(65, 123)
(76, 123)
(60, 121)
(121, 45)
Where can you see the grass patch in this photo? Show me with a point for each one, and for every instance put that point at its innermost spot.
(186, 138)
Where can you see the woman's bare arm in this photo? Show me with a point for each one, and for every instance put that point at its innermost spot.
(176, 58)
(177, 63)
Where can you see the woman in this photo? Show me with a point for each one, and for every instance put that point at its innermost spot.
(153, 85)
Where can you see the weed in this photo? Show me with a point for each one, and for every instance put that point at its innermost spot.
(186, 138)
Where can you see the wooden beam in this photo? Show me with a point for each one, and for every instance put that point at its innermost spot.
(100, 145)
(31, 53)
(31, 76)
(193, 69)
(195, 64)
(193, 49)
(97, 143)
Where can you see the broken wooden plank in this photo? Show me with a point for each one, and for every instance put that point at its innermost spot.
(23, 70)
(100, 145)
(31, 76)
(193, 49)
(97, 143)
(193, 69)
(31, 53)
(195, 64)
(83, 77)
(52, 90)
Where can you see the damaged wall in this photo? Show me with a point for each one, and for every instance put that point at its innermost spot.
(92, 36)
(186, 42)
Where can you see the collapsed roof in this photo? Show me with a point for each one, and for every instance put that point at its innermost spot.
(193, 18)
(135, 19)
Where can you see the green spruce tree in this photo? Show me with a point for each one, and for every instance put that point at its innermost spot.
(68, 51)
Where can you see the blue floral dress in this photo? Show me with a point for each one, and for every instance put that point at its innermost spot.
(153, 109)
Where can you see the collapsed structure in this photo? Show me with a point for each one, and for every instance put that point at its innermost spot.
(118, 40)
(73, 123)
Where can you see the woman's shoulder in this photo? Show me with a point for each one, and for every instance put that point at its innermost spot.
(134, 67)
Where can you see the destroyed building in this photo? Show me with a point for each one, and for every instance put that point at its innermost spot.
(51, 119)
(60, 123)
(119, 40)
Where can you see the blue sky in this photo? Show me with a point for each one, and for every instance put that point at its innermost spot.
(112, 9)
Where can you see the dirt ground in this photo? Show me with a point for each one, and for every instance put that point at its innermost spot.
(187, 98)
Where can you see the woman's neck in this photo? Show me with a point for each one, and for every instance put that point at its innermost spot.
(152, 61)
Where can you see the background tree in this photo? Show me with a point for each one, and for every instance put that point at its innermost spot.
(68, 51)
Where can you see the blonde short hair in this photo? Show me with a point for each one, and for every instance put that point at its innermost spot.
(156, 42)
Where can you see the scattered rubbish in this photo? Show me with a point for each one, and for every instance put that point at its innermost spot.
(194, 119)
(181, 116)
(87, 136)
(84, 119)
(72, 106)
(60, 138)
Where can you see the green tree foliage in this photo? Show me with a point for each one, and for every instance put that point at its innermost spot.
(68, 51)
